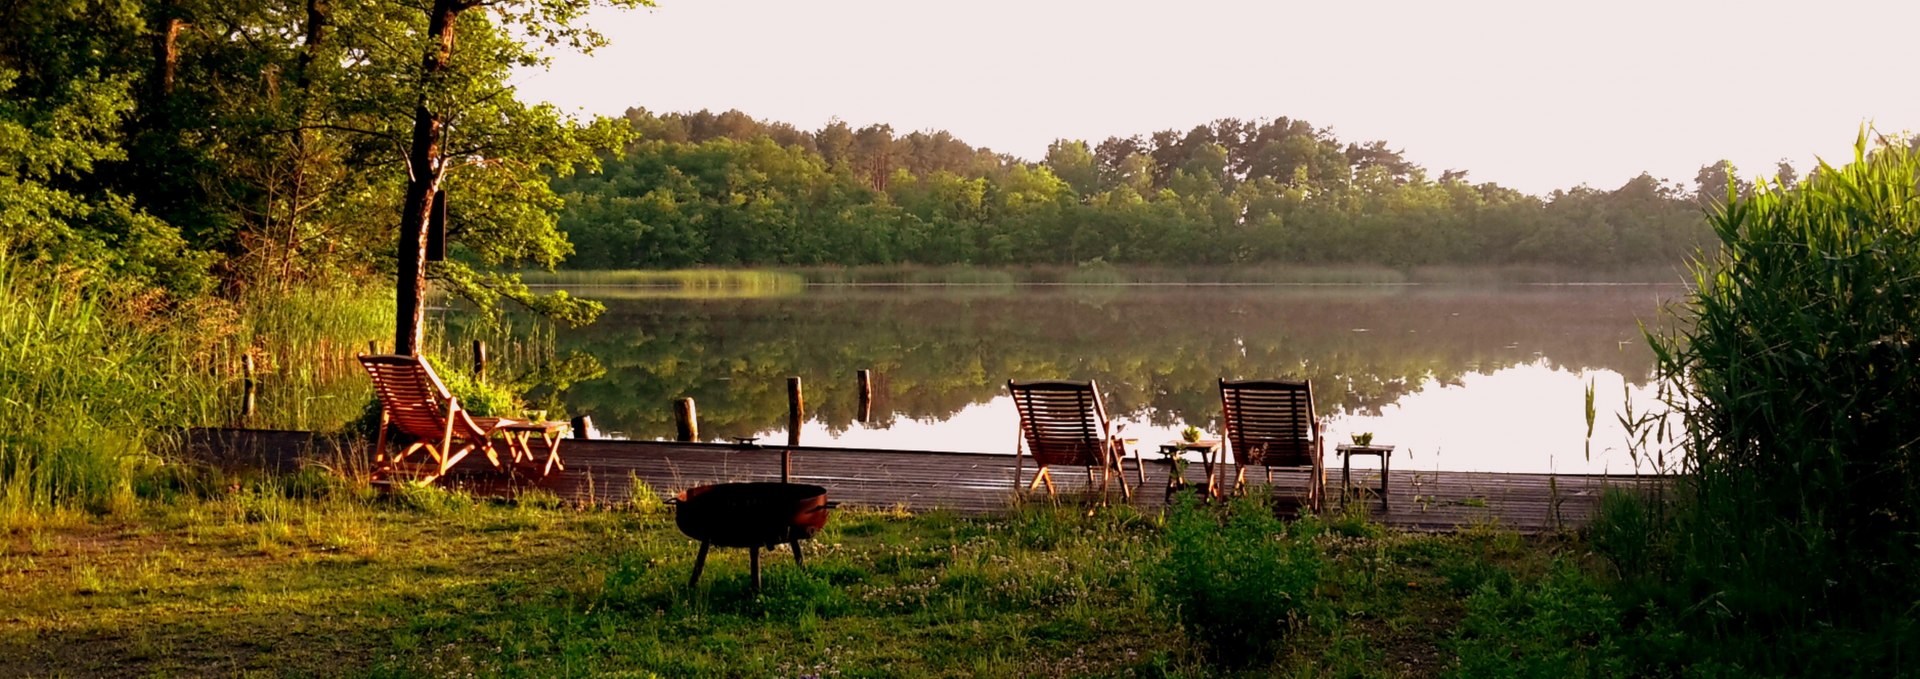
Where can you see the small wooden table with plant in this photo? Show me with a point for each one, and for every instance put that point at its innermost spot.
(1363, 445)
(1190, 440)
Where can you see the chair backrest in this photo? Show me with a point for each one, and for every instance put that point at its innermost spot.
(1270, 422)
(414, 397)
(1063, 422)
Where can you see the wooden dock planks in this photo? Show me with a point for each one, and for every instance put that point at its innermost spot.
(603, 471)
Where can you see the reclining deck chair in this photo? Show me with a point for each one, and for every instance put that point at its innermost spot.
(1270, 423)
(415, 402)
(1065, 423)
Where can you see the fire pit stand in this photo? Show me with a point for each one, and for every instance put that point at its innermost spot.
(751, 515)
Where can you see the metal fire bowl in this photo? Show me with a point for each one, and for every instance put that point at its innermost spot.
(751, 514)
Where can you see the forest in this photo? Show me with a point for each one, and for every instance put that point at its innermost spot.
(727, 189)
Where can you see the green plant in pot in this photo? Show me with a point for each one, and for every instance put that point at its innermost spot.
(1363, 439)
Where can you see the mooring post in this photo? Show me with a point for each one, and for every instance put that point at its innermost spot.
(479, 361)
(246, 399)
(865, 377)
(583, 427)
(796, 411)
(688, 419)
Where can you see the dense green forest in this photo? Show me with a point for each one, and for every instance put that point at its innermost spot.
(727, 189)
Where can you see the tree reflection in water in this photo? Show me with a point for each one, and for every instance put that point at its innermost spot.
(1156, 351)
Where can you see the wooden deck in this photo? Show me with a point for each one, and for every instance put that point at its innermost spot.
(968, 483)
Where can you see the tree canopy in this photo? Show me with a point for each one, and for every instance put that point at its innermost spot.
(184, 144)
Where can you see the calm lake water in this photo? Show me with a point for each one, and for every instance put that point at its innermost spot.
(1489, 379)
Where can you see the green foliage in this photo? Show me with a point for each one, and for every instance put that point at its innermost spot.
(260, 144)
(1563, 626)
(59, 118)
(1236, 582)
(1796, 531)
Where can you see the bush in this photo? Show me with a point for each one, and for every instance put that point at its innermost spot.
(1796, 375)
(1236, 581)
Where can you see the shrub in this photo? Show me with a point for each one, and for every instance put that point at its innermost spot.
(1237, 580)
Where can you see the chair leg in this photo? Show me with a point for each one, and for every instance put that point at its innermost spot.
(1038, 476)
(380, 442)
(1047, 475)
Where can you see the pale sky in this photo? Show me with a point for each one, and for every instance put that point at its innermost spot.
(1533, 94)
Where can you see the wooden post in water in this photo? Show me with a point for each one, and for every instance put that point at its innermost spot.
(246, 399)
(796, 411)
(479, 361)
(583, 427)
(866, 394)
(688, 419)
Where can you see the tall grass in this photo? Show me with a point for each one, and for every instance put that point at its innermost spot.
(303, 343)
(93, 377)
(85, 377)
(1796, 538)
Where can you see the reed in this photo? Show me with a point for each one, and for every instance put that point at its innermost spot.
(1796, 536)
(84, 376)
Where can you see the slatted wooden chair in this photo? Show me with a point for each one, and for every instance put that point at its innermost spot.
(415, 403)
(1271, 423)
(1065, 423)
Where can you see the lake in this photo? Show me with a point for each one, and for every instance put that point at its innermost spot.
(1459, 378)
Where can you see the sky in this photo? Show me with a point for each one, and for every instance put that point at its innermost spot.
(1533, 94)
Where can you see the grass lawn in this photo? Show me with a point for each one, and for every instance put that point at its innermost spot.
(429, 583)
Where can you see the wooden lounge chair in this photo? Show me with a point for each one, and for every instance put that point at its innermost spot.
(1270, 423)
(415, 402)
(1065, 423)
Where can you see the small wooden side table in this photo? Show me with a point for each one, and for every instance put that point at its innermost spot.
(520, 436)
(1347, 451)
(1209, 450)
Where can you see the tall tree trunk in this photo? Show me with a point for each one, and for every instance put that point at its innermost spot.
(319, 16)
(424, 168)
(166, 53)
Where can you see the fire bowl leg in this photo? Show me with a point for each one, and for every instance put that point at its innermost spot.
(797, 561)
(753, 561)
(699, 562)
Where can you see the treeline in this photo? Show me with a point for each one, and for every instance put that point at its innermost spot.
(727, 189)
